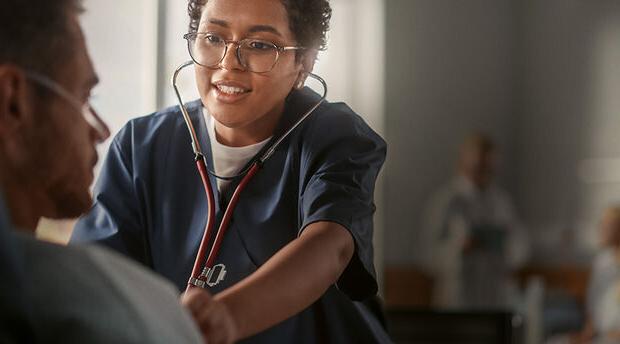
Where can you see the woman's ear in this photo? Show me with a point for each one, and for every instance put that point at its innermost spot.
(308, 59)
(307, 65)
(301, 80)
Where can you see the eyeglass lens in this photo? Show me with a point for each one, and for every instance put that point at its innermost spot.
(253, 55)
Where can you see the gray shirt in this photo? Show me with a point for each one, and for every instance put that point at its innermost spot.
(14, 304)
(92, 295)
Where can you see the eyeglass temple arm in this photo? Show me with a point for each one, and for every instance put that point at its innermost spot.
(190, 126)
(291, 48)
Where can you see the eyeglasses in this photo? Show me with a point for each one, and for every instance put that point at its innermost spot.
(86, 109)
(254, 55)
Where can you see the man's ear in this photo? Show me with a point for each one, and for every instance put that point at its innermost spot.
(13, 98)
(307, 63)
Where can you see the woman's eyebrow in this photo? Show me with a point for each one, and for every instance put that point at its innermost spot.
(219, 22)
(253, 29)
(264, 28)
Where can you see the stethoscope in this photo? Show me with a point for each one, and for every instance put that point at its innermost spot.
(211, 275)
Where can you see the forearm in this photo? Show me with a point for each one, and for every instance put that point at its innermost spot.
(291, 280)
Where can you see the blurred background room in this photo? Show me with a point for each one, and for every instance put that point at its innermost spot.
(537, 80)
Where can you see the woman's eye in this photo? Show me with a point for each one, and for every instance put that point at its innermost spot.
(258, 45)
(213, 39)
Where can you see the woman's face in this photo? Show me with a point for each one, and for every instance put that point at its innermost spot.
(240, 100)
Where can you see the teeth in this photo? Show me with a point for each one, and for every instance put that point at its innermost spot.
(230, 89)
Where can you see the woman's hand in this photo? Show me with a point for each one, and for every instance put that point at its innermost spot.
(211, 315)
(290, 281)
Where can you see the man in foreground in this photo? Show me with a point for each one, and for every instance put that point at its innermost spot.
(48, 134)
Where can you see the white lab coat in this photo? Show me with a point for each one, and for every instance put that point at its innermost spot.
(480, 278)
(603, 302)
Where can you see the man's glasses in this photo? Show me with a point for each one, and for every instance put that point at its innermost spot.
(90, 115)
(254, 55)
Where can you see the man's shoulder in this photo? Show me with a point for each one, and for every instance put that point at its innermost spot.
(86, 262)
(40, 254)
(89, 285)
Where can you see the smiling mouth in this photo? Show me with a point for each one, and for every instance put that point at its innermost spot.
(231, 90)
(228, 92)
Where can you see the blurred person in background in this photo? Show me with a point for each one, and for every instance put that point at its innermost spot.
(476, 238)
(603, 298)
(48, 134)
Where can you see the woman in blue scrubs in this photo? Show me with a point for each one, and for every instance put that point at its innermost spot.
(298, 252)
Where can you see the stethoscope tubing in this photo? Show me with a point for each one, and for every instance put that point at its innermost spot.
(208, 232)
(224, 225)
(204, 176)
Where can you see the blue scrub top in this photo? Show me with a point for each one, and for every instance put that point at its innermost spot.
(151, 206)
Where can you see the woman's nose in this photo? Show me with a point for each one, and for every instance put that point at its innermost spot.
(231, 59)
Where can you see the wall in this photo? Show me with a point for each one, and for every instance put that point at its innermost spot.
(542, 76)
(568, 124)
(122, 40)
(449, 70)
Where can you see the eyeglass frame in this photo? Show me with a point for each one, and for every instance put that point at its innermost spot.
(86, 109)
(279, 49)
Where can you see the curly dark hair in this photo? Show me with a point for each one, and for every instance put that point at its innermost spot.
(308, 20)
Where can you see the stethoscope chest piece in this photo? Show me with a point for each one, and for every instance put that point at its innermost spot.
(210, 276)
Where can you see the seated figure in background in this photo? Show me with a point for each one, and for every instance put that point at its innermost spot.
(603, 301)
(475, 236)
